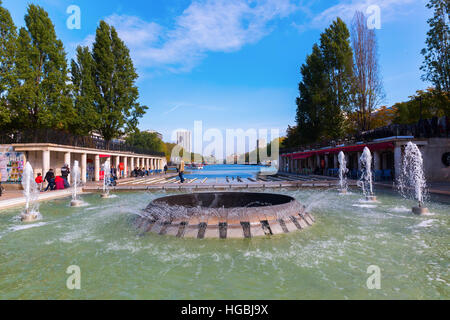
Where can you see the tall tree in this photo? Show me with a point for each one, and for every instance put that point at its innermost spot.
(115, 77)
(8, 43)
(313, 99)
(436, 65)
(42, 97)
(368, 87)
(325, 88)
(84, 91)
(338, 61)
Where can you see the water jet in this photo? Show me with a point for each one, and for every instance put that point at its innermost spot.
(106, 179)
(365, 182)
(342, 173)
(411, 182)
(75, 202)
(31, 193)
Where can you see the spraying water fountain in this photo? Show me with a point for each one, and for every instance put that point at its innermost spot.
(411, 182)
(342, 173)
(106, 179)
(224, 215)
(365, 182)
(31, 193)
(76, 202)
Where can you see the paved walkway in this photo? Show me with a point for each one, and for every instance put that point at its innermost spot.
(169, 181)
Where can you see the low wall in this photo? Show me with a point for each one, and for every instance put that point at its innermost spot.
(435, 170)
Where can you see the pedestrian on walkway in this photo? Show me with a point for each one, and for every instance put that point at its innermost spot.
(181, 171)
(50, 178)
(65, 171)
(39, 181)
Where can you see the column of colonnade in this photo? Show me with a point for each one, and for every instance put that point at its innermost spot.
(83, 166)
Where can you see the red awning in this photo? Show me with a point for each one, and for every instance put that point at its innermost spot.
(353, 148)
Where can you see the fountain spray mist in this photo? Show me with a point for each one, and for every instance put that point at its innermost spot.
(31, 193)
(342, 172)
(411, 182)
(75, 184)
(106, 179)
(365, 182)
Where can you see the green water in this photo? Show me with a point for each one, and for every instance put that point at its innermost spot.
(326, 261)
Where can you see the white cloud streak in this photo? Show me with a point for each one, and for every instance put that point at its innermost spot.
(345, 9)
(204, 26)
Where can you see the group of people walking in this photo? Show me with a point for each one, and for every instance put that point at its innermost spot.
(54, 182)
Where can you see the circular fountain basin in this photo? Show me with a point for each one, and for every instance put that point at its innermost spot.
(76, 203)
(29, 217)
(224, 215)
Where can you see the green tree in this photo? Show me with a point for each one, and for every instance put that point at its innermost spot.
(425, 104)
(436, 65)
(8, 43)
(84, 90)
(115, 76)
(41, 98)
(146, 141)
(325, 88)
(313, 99)
(338, 61)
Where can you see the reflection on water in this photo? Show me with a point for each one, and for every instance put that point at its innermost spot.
(327, 260)
(221, 172)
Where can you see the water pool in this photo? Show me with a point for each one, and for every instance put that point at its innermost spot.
(219, 172)
(326, 261)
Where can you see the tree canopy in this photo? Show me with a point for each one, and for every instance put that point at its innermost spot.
(436, 65)
(116, 98)
(325, 88)
(38, 92)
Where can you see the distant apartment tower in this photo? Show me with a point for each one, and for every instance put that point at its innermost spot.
(184, 139)
(159, 135)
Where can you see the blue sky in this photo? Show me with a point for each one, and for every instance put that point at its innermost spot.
(235, 63)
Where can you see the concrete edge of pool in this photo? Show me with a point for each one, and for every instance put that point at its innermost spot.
(281, 214)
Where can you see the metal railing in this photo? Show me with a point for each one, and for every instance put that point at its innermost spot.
(68, 139)
(428, 128)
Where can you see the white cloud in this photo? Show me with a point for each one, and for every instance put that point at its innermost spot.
(205, 26)
(345, 9)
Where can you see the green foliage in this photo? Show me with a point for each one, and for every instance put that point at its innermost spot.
(325, 88)
(8, 42)
(424, 104)
(84, 91)
(436, 66)
(116, 95)
(146, 141)
(41, 97)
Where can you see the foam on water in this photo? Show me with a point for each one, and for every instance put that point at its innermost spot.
(330, 259)
(426, 223)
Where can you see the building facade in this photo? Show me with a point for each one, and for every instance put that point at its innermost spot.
(387, 157)
(45, 156)
(184, 139)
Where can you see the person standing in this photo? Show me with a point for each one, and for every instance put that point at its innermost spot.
(50, 178)
(181, 171)
(65, 171)
(1, 187)
(39, 181)
(165, 168)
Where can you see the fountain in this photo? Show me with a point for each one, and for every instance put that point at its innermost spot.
(365, 181)
(106, 179)
(31, 193)
(411, 182)
(76, 202)
(224, 215)
(342, 173)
